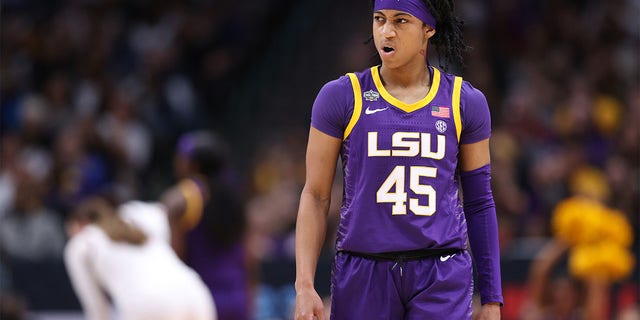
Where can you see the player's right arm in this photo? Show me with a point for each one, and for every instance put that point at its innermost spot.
(321, 159)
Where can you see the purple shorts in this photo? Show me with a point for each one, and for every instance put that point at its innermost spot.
(439, 287)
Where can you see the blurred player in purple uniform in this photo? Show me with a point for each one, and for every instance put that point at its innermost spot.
(409, 136)
(207, 221)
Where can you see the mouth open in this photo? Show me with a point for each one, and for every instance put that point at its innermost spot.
(388, 49)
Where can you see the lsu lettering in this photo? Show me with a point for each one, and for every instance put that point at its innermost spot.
(408, 144)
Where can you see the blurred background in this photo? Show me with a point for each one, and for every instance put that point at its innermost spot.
(95, 93)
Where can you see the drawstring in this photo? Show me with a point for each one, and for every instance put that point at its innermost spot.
(398, 261)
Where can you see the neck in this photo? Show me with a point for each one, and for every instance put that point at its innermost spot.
(411, 74)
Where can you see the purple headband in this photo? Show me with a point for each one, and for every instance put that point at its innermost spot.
(415, 8)
(186, 144)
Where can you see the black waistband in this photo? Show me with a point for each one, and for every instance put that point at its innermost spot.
(405, 255)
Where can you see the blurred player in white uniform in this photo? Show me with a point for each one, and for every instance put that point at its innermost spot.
(124, 254)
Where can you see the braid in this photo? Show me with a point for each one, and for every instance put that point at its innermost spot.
(449, 37)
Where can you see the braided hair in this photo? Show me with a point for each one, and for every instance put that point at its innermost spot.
(448, 39)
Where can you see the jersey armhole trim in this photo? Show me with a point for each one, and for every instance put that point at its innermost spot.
(455, 103)
(357, 104)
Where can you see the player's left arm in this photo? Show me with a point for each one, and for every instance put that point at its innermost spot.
(479, 207)
(480, 212)
(474, 155)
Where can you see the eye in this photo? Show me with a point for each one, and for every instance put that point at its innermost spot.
(402, 20)
(378, 18)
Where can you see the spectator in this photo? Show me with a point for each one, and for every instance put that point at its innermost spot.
(31, 231)
(78, 170)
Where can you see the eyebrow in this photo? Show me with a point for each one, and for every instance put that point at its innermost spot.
(395, 15)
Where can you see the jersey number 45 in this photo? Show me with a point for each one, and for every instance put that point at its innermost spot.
(396, 181)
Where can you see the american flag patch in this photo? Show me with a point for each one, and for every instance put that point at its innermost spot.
(440, 112)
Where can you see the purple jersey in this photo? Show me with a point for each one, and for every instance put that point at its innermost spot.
(400, 160)
(219, 265)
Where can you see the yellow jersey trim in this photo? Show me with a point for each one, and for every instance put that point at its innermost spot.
(194, 203)
(455, 104)
(401, 105)
(357, 105)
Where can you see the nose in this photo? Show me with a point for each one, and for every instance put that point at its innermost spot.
(388, 30)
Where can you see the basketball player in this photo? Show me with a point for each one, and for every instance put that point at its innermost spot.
(126, 254)
(409, 136)
(207, 222)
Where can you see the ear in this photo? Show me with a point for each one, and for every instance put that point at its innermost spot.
(429, 31)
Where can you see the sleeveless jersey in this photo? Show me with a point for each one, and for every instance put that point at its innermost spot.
(399, 161)
(219, 265)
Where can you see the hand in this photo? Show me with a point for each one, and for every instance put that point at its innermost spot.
(309, 305)
(489, 311)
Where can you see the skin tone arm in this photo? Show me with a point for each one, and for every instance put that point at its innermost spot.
(321, 159)
(176, 204)
(595, 307)
(474, 156)
(539, 272)
(549, 255)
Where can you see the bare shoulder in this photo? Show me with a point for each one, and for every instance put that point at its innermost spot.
(174, 201)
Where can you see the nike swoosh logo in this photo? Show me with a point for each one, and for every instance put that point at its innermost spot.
(445, 258)
(372, 111)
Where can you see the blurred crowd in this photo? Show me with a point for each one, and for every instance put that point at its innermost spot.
(563, 81)
(94, 94)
